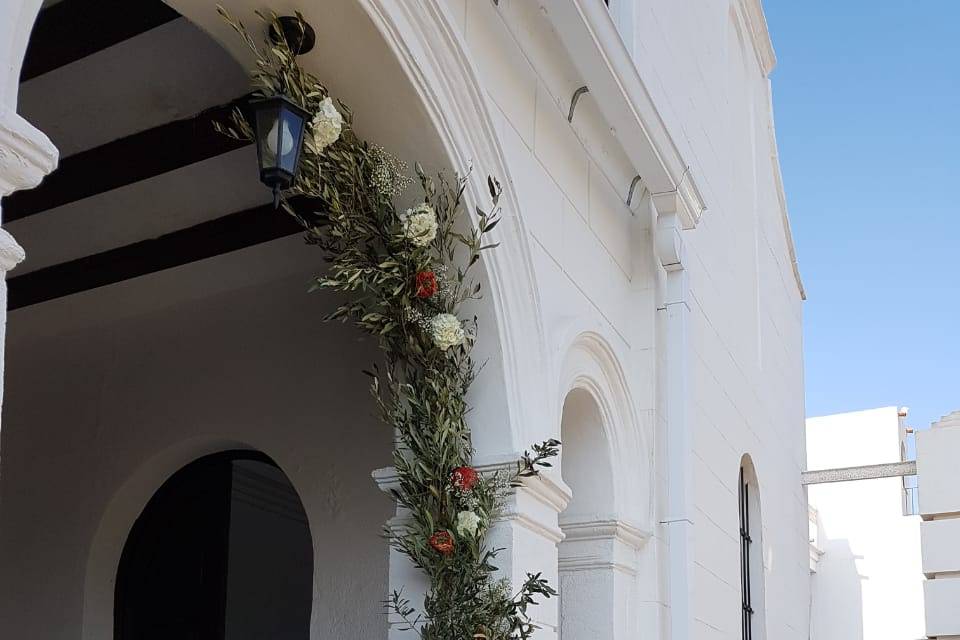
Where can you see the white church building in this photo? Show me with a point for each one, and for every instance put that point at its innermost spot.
(188, 451)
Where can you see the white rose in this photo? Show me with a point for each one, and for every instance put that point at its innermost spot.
(420, 225)
(326, 124)
(446, 330)
(468, 523)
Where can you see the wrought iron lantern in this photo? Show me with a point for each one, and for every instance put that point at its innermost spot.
(279, 123)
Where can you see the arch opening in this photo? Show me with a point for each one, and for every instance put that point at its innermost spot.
(227, 347)
(588, 578)
(586, 463)
(222, 550)
(752, 595)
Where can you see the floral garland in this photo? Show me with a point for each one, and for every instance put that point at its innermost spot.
(406, 274)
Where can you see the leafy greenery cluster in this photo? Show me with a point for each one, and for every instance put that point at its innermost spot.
(343, 195)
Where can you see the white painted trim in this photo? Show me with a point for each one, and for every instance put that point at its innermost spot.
(600, 55)
(546, 488)
(16, 23)
(673, 376)
(756, 23)
(431, 49)
(782, 199)
(591, 364)
(628, 533)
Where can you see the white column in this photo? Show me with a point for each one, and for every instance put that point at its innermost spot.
(527, 533)
(938, 450)
(673, 313)
(599, 563)
(26, 156)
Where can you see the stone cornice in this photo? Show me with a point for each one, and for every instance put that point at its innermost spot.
(596, 49)
(26, 154)
(605, 529)
(756, 23)
(547, 488)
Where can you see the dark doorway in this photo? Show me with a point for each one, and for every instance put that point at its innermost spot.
(221, 552)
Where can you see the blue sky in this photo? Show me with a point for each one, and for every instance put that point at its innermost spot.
(867, 105)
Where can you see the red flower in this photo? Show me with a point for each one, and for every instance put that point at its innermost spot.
(426, 284)
(463, 478)
(442, 542)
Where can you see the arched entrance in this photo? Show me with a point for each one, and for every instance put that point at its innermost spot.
(222, 550)
(157, 346)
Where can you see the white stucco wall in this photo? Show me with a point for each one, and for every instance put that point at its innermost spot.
(110, 393)
(596, 270)
(597, 284)
(868, 583)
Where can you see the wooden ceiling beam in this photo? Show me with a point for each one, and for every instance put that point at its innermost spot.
(73, 29)
(205, 240)
(124, 161)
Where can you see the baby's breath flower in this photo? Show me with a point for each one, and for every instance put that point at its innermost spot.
(389, 173)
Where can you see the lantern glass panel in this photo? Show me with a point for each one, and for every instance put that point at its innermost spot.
(290, 137)
(269, 134)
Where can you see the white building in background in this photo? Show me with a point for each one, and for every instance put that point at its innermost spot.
(866, 578)
(174, 407)
(938, 453)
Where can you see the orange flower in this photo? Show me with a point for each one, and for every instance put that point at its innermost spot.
(442, 542)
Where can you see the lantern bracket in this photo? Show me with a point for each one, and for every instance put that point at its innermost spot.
(298, 33)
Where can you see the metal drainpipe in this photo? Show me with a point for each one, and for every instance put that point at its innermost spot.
(673, 316)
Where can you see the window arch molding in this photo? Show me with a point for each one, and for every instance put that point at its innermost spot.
(591, 364)
(605, 462)
(752, 556)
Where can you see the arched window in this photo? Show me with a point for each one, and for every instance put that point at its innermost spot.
(751, 554)
(222, 551)
(598, 556)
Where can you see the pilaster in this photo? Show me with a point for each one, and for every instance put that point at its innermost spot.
(527, 533)
(26, 156)
(673, 312)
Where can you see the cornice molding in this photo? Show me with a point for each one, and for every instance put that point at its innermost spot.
(547, 488)
(26, 153)
(756, 23)
(669, 242)
(605, 529)
(597, 50)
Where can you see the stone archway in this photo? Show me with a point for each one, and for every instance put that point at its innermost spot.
(607, 466)
(439, 79)
(446, 100)
(440, 73)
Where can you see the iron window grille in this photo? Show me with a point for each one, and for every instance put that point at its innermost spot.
(745, 542)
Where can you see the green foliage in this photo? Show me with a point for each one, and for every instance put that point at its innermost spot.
(420, 388)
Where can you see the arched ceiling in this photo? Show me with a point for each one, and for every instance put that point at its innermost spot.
(139, 164)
